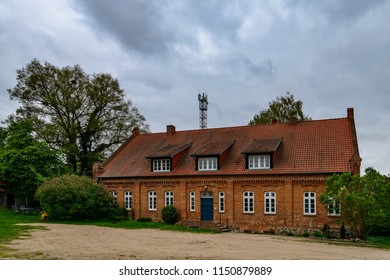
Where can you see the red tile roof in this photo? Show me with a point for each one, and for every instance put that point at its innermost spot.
(321, 146)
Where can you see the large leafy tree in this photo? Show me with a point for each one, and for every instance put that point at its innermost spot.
(86, 116)
(283, 109)
(363, 200)
(26, 162)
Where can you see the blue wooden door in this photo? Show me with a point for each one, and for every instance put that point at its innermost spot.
(207, 209)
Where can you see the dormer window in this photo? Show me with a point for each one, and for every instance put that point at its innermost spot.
(161, 165)
(207, 163)
(259, 162)
(260, 154)
(166, 158)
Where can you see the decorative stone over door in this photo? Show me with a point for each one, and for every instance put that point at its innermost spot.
(206, 206)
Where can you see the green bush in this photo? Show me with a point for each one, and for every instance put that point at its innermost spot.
(306, 234)
(74, 198)
(118, 214)
(326, 231)
(170, 215)
(343, 232)
(144, 219)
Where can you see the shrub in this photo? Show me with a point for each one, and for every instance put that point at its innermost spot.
(343, 232)
(326, 231)
(144, 219)
(72, 198)
(118, 214)
(306, 234)
(170, 215)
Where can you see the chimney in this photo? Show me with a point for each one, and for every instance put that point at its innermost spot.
(350, 113)
(135, 131)
(171, 129)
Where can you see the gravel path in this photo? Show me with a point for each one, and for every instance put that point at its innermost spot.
(81, 242)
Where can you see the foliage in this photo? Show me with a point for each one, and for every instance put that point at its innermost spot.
(343, 232)
(118, 214)
(170, 215)
(85, 116)
(144, 219)
(363, 200)
(24, 161)
(283, 109)
(326, 231)
(71, 198)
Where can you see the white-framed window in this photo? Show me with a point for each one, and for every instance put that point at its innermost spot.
(152, 201)
(259, 162)
(161, 165)
(309, 203)
(207, 163)
(192, 201)
(248, 202)
(168, 198)
(114, 200)
(334, 208)
(128, 198)
(270, 203)
(221, 200)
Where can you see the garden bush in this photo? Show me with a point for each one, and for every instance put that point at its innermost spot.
(170, 215)
(144, 219)
(74, 198)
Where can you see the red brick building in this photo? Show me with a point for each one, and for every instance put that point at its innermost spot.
(253, 178)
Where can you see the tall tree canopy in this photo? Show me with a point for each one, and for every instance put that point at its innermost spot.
(26, 162)
(283, 109)
(86, 116)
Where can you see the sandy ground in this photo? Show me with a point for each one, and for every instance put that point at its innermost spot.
(80, 242)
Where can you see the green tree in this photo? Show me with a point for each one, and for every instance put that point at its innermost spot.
(364, 200)
(283, 109)
(24, 161)
(85, 116)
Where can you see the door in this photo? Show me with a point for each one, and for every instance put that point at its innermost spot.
(207, 206)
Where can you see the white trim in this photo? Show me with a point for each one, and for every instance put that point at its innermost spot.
(169, 198)
(192, 201)
(259, 162)
(207, 163)
(161, 165)
(309, 203)
(128, 199)
(248, 202)
(152, 201)
(221, 202)
(270, 203)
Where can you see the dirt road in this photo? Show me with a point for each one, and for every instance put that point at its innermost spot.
(80, 242)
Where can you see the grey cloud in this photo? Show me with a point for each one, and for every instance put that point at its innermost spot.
(136, 24)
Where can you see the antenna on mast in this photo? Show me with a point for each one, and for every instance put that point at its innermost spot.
(202, 110)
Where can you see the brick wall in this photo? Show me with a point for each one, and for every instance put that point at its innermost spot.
(289, 192)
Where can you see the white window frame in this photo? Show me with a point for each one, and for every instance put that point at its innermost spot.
(334, 208)
(248, 202)
(221, 202)
(152, 201)
(309, 203)
(257, 162)
(207, 163)
(192, 201)
(128, 198)
(270, 203)
(161, 165)
(169, 198)
(114, 197)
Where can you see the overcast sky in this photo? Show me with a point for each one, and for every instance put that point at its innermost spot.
(330, 54)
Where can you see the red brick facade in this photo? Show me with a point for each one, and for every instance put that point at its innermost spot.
(315, 150)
